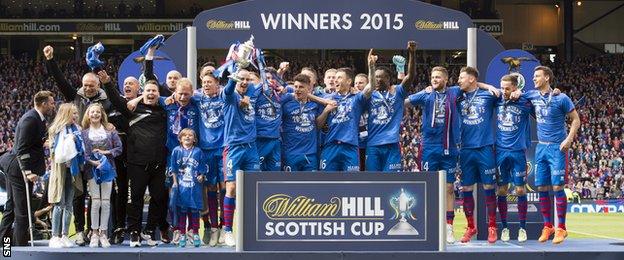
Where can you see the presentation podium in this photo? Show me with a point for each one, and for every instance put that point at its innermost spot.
(340, 211)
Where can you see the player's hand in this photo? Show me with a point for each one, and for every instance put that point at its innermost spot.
(245, 102)
(494, 91)
(556, 91)
(516, 94)
(151, 51)
(331, 106)
(48, 52)
(428, 89)
(200, 178)
(170, 99)
(371, 58)
(565, 145)
(411, 46)
(103, 76)
(283, 67)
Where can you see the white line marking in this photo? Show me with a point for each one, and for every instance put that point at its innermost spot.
(595, 235)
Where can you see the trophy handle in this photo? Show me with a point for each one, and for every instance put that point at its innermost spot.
(394, 203)
(411, 204)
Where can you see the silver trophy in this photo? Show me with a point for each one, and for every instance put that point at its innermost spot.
(243, 57)
(402, 206)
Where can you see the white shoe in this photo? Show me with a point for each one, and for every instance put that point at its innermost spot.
(55, 242)
(95, 241)
(66, 242)
(522, 236)
(221, 236)
(80, 239)
(505, 235)
(176, 237)
(229, 239)
(450, 235)
(104, 240)
(214, 236)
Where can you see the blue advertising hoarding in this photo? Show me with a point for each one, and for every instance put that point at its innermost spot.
(340, 212)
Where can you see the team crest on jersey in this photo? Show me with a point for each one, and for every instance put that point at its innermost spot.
(471, 113)
(269, 112)
(541, 111)
(304, 120)
(508, 118)
(382, 110)
(212, 112)
(341, 114)
(187, 172)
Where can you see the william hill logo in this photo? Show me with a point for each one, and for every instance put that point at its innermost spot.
(227, 25)
(431, 25)
(282, 206)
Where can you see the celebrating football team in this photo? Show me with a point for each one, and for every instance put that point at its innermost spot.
(187, 146)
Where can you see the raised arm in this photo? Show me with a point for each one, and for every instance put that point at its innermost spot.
(66, 89)
(368, 89)
(113, 94)
(228, 90)
(411, 64)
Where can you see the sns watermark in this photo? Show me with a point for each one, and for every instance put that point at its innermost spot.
(6, 246)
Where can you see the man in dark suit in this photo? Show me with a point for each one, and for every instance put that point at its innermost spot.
(24, 164)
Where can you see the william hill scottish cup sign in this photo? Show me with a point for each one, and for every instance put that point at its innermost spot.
(341, 212)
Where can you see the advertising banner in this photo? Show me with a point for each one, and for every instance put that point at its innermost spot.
(341, 211)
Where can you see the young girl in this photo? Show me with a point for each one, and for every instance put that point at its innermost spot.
(102, 144)
(188, 167)
(67, 159)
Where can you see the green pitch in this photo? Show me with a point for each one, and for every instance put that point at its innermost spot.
(580, 225)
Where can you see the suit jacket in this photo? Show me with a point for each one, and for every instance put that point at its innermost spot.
(30, 135)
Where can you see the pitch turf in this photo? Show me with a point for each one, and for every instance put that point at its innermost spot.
(580, 225)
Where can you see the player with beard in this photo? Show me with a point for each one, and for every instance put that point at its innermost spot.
(440, 135)
(478, 161)
(385, 113)
(512, 140)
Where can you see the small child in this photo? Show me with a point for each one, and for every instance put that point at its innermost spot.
(188, 167)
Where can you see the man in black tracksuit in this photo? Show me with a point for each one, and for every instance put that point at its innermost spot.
(89, 92)
(146, 154)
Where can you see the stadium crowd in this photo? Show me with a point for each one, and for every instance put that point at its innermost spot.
(596, 169)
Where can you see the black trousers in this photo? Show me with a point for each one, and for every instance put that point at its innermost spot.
(79, 208)
(15, 215)
(153, 220)
(141, 177)
(119, 195)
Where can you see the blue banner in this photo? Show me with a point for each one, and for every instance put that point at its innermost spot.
(611, 206)
(333, 24)
(342, 211)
